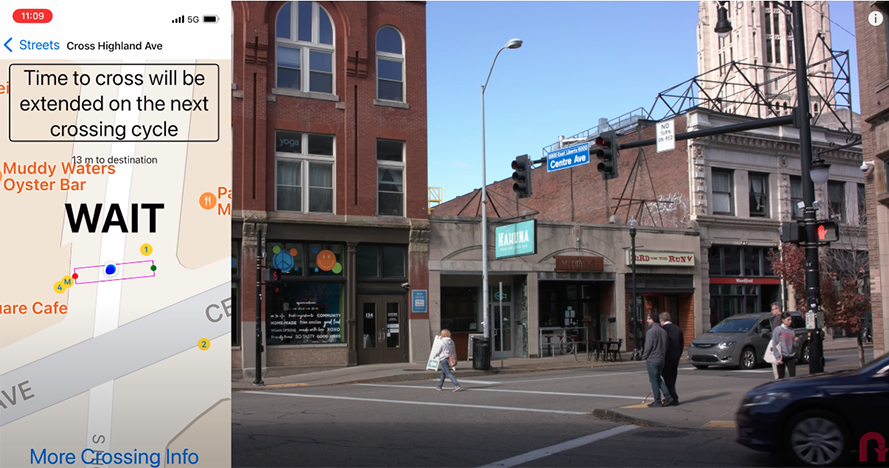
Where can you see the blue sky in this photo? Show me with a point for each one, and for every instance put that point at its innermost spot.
(580, 61)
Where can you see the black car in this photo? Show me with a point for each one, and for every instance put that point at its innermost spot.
(820, 420)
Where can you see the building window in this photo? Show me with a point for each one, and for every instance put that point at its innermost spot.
(777, 50)
(382, 262)
(768, 50)
(304, 48)
(836, 196)
(731, 260)
(796, 197)
(767, 24)
(790, 50)
(777, 18)
(722, 192)
(862, 206)
(236, 287)
(390, 178)
(304, 172)
(390, 65)
(759, 194)
(459, 309)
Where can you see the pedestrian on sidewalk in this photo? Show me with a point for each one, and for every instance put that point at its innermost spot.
(447, 349)
(655, 355)
(776, 322)
(785, 346)
(675, 345)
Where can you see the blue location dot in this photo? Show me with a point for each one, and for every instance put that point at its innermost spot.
(110, 269)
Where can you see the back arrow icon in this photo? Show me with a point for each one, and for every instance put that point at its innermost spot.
(6, 44)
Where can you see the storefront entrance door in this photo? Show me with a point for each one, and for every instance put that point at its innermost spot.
(502, 326)
(380, 336)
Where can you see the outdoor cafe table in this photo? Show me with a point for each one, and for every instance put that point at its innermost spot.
(579, 331)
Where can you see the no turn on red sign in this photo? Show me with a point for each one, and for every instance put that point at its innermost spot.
(666, 139)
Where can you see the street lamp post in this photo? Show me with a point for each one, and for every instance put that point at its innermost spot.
(637, 356)
(486, 322)
(812, 172)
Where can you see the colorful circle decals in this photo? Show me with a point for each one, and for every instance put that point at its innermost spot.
(276, 249)
(326, 260)
(338, 268)
(282, 261)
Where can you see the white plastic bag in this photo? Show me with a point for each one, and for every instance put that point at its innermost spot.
(770, 356)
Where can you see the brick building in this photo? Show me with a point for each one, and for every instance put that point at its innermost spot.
(873, 74)
(329, 130)
(730, 193)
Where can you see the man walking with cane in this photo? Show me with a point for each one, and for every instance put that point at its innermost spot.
(675, 345)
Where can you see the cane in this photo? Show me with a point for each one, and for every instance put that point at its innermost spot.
(646, 397)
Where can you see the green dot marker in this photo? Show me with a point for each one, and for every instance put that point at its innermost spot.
(153, 267)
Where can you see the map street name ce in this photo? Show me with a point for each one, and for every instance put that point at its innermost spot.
(568, 157)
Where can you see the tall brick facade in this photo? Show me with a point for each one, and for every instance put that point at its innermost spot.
(873, 76)
(320, 83)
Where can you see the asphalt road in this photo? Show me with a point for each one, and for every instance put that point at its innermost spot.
(533, 419)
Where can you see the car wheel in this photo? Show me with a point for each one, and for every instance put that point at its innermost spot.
(748, 359)
(697, 366)
(817, 438)
(804, 354)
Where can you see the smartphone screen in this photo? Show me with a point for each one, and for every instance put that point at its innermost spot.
(115, 234)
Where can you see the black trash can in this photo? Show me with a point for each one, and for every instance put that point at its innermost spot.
(481, 353)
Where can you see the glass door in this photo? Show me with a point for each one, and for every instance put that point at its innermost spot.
(502, 345)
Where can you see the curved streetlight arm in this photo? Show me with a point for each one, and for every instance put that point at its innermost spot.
(492, 69)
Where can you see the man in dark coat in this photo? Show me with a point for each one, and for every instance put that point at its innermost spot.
(675, 345)
(655, 354)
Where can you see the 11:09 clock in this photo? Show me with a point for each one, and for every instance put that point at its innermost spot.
(32, 15)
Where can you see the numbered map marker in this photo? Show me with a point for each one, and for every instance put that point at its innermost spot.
(203, 344)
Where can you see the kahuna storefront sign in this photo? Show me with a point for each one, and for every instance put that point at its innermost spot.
(516, 239)
(644, 257)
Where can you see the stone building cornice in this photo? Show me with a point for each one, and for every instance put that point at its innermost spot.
(788, 147)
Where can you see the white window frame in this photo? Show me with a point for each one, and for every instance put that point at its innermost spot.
(305, 48)
(392, 58)
(394, 165)
(731, 193)
(304, 159)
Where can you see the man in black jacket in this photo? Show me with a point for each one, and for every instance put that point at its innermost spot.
(675, 345)
(655, 354)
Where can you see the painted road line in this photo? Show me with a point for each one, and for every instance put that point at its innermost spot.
(722, 424)
(287, 385)
(554, 449)
(640, 405)
(483, 382)
(623, 397)
(734, 371)
(422, 403)
(576, 377)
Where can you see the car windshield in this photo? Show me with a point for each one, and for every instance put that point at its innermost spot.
(734, 326)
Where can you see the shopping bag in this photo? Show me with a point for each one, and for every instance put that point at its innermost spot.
(433, 365)
(770, 356)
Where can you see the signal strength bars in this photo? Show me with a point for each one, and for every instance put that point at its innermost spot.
(180, 19)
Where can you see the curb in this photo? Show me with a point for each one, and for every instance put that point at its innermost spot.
(620, 418)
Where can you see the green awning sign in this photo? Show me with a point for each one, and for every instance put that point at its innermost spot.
(516, 239)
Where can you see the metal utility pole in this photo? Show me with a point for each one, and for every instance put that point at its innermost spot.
(258, 379)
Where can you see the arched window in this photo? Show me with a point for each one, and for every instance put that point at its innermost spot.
(390, 65)
(304, 48)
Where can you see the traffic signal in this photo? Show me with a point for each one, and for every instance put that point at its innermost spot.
(272, 275)
(607, 153)
(522, 176)
(795, 233)
(827, 231)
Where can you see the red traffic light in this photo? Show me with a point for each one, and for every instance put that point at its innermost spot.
(600, 141)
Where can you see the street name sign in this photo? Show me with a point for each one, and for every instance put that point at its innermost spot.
(571, 156)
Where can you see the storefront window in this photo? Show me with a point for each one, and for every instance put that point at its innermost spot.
(459, 309)
(296, 259)
(732, 257)
(382, 261)
(300, 313)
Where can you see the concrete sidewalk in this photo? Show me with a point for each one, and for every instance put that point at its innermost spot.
(299, 377)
